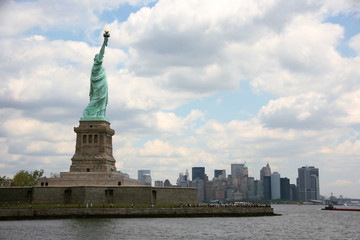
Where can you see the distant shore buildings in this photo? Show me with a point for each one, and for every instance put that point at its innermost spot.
(240, 186)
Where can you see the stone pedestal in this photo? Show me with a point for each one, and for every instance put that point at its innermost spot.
(93, 163)
(93, 148)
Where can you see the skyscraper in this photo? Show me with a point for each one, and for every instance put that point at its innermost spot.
(294, 192)
(220, 173)
(239, 175)
(251, 188)
(285, 188)
(187, 175)
(259, 189)
(265, 171)
(183, 180)
(159, 183)
(308, 183)
(267, 187)
(145, 177)
(198, 173)
(275, 185)
(237, 169)
(200, 188)
(142, 172)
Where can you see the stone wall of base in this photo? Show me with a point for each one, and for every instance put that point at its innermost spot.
(135, 212)
(97, 195)
(14, 195)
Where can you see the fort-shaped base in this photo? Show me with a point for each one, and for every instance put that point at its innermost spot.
(72, 179)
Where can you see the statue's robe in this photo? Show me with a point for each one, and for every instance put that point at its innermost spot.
(98, 91)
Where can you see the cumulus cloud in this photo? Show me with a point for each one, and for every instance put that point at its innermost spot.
(354, 43)
(170, 123)
(350, 104)
(74, 16)
(192, 47)
(310, 110)
(215, 50)
(338, 7)
(340, 182)
(302, 56)
(19, 17)
(159, 148)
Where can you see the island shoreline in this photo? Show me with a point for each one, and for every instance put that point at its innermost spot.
(94, 212)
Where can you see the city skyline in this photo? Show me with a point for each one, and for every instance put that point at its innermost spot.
(191, 83)
(240, 186)
(304, 172)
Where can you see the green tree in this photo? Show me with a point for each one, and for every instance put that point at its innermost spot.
(5, 181)
(25, 178)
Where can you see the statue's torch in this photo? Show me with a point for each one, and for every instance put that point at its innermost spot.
(106, 33)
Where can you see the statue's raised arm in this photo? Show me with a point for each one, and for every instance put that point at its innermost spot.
(106, 38)
(96, 108)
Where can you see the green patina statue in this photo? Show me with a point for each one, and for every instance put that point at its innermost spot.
(96, 108)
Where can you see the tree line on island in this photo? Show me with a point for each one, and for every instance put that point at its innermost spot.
(22, 178)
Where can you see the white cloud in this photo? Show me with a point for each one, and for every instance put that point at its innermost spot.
(350, 104)
(80, 16)
(26, 127)
(45, 66)
(188, 45)
(354, 43)
(340, 182)
(18, 17)
(45, 147)
(307, 46)
(170, 123)
(160, 149)
(302, 56)
(348, 147)
(337, 7)
(311, 110)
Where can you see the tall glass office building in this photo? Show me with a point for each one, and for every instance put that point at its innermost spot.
(275, 185)
(308, 183)
(198, 173)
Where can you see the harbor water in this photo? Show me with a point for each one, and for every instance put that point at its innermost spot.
(296, 222)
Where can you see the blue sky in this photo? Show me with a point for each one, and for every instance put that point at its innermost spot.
(191, 83)
(351, 24)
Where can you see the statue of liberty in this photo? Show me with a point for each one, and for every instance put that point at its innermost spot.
(96, 108)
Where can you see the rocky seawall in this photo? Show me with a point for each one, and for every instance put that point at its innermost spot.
(53, 213)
